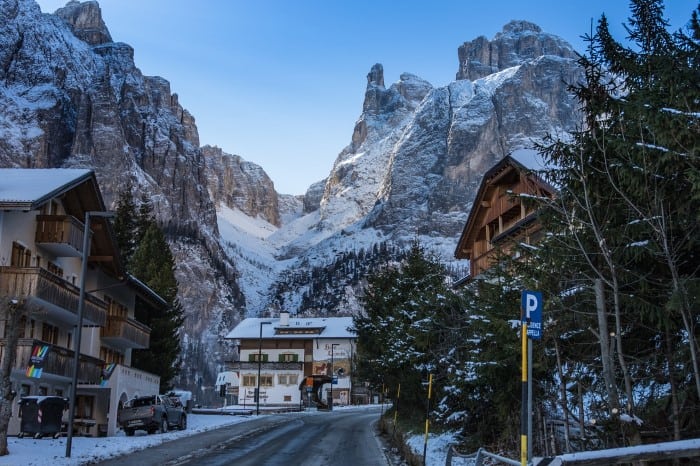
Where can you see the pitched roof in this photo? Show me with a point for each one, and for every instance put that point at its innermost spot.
(298, 328)
(29, 188)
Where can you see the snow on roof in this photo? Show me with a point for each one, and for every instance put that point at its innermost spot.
(330, 327)
(529, 158)
(31, 185)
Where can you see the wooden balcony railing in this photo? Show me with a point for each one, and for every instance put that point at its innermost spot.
(58, 361)
(35, 282)
(280, 366)
(62, 234)
(126, 333)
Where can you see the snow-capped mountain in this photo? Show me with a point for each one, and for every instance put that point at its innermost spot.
(414, 162)
(72, 97)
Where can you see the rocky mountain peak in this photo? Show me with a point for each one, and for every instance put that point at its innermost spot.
(375, 77)
(518, 42)
(85, 19)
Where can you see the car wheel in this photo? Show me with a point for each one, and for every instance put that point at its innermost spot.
(129, 432)
(183, 422)
(164, 425)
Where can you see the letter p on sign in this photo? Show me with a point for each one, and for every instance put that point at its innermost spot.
(531, 303)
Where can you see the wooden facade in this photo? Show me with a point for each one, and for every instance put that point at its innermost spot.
(499, 218)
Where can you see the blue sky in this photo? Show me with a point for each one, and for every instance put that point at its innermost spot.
(281, 82)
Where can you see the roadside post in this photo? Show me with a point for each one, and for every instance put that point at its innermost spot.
(396, 409)
(427, 419)
(531, 318)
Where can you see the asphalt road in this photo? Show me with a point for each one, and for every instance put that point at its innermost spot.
(338, 438)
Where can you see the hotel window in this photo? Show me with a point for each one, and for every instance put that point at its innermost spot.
(21, 256)
(249, 380)
(266, 381)
(253, 357)
(22, 327)
(49, 333)
(288, 379)
(288, 357)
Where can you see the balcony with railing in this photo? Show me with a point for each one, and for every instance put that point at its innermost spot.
(58, 361)
(264, 365)
(124, 333)
(60, 234)
(56, 296)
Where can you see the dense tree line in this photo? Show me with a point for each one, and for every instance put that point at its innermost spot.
(618, 363)
(147, 256)
(349, 269)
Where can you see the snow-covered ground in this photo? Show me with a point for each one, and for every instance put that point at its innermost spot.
(88, 450)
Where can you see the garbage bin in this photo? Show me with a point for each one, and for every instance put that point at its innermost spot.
(41, 415)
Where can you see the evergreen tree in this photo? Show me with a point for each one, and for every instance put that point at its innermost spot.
(627, 212)
(407, 327)
(125, 224)
(153, 264)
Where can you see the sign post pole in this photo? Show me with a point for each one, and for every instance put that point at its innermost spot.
(531, 318)
(524, 392)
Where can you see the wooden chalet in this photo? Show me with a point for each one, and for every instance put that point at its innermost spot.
(499, 219)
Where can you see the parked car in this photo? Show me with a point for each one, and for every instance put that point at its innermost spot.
(153, 413)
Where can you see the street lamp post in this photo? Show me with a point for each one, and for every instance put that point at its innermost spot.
(79, 326)
(333, 345)
(257, 394)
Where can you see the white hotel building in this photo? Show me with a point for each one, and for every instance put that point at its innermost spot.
(297, 357)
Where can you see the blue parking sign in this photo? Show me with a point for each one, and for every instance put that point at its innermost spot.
(531, 303)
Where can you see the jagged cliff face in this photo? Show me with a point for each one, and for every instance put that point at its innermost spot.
(73, 98)
(418, 153)
(518, 43)
(240, 184)
(362, 169)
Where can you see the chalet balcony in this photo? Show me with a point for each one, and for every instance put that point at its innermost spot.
(125, 333)
(62, 235)
(58, 361)
(270, 366)
(57, 297)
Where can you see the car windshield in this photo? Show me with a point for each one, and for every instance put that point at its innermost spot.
(137, 402)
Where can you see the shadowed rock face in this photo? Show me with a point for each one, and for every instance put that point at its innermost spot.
(240, 184)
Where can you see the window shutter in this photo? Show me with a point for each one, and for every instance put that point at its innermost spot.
(251, 357)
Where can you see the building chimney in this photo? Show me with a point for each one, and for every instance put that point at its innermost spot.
(284, 318)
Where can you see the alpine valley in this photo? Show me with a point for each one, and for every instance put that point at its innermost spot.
(71, 97)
